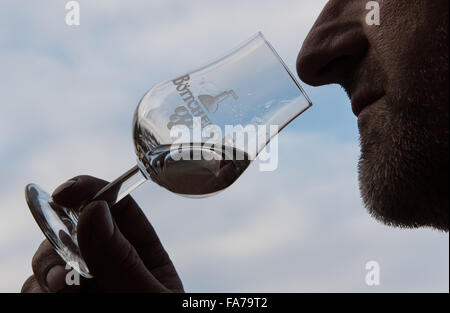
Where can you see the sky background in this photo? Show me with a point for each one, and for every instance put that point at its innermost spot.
(68, 95)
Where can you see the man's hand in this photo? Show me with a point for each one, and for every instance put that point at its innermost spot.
(118, 244)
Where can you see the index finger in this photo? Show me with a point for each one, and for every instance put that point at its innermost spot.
(128, 216)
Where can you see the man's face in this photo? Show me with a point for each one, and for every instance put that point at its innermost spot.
(396, 75)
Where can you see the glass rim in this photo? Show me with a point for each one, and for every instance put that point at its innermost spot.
(259, 35)
(294, 79)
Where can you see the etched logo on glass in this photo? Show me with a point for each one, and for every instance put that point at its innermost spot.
(212, 103)
(184, 114)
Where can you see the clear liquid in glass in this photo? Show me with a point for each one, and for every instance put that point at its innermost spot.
(195, 170)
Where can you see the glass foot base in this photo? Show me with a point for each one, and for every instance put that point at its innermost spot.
(59, 226)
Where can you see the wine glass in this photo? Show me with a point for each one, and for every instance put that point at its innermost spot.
(250, 86)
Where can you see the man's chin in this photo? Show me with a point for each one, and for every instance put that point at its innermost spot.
(396, 195)
(394, 203)
(403, 168)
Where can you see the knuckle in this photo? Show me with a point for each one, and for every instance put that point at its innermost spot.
(38, 255)
(84, 178)
(31, 285)
(27, 285)
(87, 181)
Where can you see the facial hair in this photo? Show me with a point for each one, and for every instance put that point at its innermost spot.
(403, 168)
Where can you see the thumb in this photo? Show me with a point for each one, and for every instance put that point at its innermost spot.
(112, 260)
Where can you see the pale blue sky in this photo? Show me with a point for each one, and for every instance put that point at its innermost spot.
(68, 90)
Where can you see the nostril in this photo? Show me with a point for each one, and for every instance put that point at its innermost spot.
(336, 63)
(315, 70)
(338, 71)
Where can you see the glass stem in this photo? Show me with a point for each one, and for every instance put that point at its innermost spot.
(121, 187)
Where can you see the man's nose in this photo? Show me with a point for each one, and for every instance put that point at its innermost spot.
(335, 45)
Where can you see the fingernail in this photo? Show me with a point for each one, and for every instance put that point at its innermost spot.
(56, 278)
(101, 222)
(61, 188)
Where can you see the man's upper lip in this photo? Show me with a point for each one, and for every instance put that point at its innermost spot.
(362, 98)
